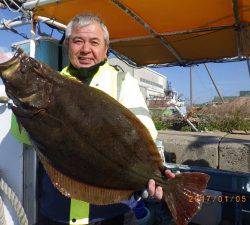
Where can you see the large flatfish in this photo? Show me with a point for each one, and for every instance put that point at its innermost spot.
(92, 147)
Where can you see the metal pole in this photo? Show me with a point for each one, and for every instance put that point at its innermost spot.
(248, 65)
(51, 22)
(188, 121)
(33, 37)
(10, 24)
(35, 3)
(2, 215)
(214, 83)
(190, 31)
(147, 27)
(191, 87)
(29, 155)
(237, 27)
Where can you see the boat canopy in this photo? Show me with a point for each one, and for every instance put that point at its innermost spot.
(167, 32)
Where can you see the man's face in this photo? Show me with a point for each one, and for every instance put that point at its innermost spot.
(87, 46)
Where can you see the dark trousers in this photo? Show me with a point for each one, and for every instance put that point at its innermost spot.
(126, 219)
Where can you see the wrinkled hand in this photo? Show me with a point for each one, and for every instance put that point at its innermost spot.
(157, 192)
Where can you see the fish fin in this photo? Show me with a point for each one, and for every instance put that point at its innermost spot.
(74, 189)
(23, 113)
(184, 195)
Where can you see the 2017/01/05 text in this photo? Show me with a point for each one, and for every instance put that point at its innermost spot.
(218, 198)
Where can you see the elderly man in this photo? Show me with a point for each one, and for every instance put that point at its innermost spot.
(87, 41)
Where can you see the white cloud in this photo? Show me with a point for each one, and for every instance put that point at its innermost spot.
(3, 49)
(5, 55)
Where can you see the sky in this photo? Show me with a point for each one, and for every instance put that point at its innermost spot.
(230, 78)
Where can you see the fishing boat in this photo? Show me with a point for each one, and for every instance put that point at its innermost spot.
(157, 33)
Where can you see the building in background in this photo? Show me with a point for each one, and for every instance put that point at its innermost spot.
(244, 93)
(231, 98)
(152, 84)
(154, 87)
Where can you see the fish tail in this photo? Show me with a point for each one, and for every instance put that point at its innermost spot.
(184, 195)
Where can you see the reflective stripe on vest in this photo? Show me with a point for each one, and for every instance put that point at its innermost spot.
(79, 212)
(120, 78)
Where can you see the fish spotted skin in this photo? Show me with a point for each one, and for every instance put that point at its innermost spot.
(90, 137)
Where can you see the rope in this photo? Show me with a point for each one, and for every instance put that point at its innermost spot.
(14, 202)
(2, 218)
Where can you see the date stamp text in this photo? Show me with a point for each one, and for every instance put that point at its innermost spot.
(218, 198)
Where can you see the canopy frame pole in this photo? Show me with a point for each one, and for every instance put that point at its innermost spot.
(237, 27)
(149, 29)
(248, 65)
(186, 119)
(200, 30)
(52, 22)
(11, 24)
(190, 31)
(8, 24)
(191, 87)
(33, 36)
(32, 4)
(217, 90)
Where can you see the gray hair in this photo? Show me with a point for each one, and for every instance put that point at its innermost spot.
(84, 20)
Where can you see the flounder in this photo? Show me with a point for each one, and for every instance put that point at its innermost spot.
(92, 147)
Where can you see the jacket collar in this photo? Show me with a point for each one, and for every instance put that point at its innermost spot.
(85, 74)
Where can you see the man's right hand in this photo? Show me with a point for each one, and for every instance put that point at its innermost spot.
(157, 192)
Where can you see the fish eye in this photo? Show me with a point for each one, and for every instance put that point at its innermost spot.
(23, 68)
(24, 64)
(23, 60)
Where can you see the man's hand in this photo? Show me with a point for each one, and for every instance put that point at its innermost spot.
(157, 192)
